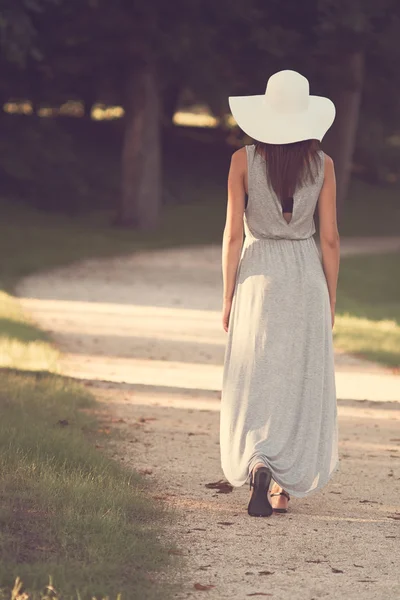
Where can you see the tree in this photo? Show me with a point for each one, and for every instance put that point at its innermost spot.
(349, 31)
(122, 50)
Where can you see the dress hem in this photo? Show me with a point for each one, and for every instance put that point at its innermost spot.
(296, 494)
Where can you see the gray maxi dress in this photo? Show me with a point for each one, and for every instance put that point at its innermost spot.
(278, 403)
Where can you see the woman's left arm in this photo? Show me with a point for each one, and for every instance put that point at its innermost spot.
(233, 233)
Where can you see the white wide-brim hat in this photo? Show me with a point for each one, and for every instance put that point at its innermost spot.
(286, 113)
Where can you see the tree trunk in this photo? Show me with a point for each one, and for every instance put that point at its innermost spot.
(340, 140)
(141, 154)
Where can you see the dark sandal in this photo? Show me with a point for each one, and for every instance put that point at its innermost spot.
(282, 493)
(259, 505)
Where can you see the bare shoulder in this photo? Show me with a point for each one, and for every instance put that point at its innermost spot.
(239, 158)
(329, 167)
(328, 161)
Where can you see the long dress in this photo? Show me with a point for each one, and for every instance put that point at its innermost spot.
(278, 403)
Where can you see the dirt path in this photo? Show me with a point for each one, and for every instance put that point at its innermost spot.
(144, 331)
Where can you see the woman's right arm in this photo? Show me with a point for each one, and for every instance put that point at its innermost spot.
(328, 232)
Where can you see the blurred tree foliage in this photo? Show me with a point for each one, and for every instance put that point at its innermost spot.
(39, 162)
(37, 157)
(357, 46)
(150, 56)
(19, 36)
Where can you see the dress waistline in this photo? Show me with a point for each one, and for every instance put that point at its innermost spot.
(251, 239)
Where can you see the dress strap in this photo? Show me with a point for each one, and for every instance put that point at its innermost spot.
(250, 159)
(321, 172)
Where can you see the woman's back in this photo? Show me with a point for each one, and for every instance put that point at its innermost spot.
(263, 216)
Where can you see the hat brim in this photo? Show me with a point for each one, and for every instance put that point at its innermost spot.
(264, 124)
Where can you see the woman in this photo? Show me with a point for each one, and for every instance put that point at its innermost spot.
(278, 408)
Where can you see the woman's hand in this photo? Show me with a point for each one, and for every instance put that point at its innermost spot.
(226, 311)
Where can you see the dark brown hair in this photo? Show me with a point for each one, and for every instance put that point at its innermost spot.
(290, 165)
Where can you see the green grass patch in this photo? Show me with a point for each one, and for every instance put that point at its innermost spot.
(371, 210)
(65, 508)
(31, 240)
(368, 308)
(22, 345)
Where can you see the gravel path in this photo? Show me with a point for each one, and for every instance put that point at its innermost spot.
(144, 332)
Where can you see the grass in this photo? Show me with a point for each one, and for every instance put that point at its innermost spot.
(368, 308)
(65, 508)
(31, 240)
(22, 345)
(371, 210)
